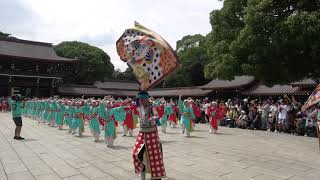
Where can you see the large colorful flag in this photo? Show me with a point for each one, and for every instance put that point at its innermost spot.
(148, 54)
(313, 99)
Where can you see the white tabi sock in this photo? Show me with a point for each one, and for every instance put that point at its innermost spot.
(130, 132)
(125, 130)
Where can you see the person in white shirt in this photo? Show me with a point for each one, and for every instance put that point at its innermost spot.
(206, 107)
(272, 117)
(265, 110)
(282, 116)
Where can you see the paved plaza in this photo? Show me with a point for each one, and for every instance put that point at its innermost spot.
(49, 154)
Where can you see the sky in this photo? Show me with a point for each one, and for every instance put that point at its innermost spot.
(102, 22)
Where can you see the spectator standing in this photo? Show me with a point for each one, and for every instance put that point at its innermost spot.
(16, 106)
(282, 116)
(265, 108)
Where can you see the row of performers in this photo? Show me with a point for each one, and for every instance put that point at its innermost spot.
(105, 114)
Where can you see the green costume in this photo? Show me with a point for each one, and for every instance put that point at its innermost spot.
(110, 115)
(46, 113)
(60, 114)
(94, 122)
(69, 115)
(167, 111)
(77, 118)
(186, 115)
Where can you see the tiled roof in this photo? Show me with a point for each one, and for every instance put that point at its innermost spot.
(29, 50)
(274, 90)
(122, 85)
(174, 92)
(94, 91)
(305, 82)
(239, 81)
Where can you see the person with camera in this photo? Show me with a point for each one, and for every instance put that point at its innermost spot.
(17, 104)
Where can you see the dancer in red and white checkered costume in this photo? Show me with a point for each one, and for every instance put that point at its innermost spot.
(147, 151)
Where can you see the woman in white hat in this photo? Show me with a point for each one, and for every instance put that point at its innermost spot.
(186, 116)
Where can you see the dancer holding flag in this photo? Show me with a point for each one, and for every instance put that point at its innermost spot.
(151, 58)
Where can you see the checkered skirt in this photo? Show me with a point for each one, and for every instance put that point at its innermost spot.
(151, 142)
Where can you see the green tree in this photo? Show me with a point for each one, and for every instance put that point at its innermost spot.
(94, 63)
(4, 35)
(126, 75)
(191, 51)
(226, 25)
(278, 41)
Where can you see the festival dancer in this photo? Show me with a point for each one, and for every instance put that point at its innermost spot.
(53, 112)
(159, 105)
(167, 112)
(77, 123)
(40, 107)
(196, 111)
(214, 114)
(186, 116)
(129, 123)
(46, 113)
(93, 120)
(173, 119)
(60, 112)
(110, 115)
(147, 152)
(69, 114)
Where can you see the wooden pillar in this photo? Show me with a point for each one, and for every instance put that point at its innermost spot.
(52, 86)
(9, 86)
(37, 88)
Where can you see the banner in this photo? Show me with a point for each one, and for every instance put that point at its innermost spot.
(313, 99)
(149, 56)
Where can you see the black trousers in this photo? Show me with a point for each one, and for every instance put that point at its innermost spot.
(140, 156)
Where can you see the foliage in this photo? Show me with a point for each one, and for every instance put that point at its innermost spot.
(277, 41)
(126, 75)
(4, 35)
(94, 63)
(192, 54)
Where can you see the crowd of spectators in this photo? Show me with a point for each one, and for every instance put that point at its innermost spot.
(283, 115)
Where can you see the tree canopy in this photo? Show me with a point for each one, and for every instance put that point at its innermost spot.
(4, 35)
(94, 63)
(126, 75)
(277, 41)
(192, 54)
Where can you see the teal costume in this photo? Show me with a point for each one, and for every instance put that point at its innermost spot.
(77, 118)
(69, 116)
(60, 114)
(167, 111)
(109, 116)
(46, 111)
(186, 115)
(53, 111)
(94, 122)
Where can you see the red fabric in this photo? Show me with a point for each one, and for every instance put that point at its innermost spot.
(214, 115)
(222, 112)
(4, 107)
(100, 121)
(129, 121)
(151, 142)
(196, 110)
(173, 116)
(160, 110)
